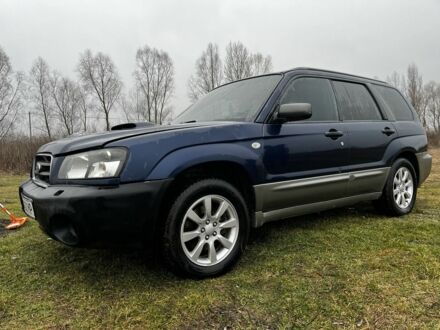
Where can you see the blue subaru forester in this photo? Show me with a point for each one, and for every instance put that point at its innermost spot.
(249, 152)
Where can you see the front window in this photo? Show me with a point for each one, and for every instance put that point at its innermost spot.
(316, 91)
(238, 101)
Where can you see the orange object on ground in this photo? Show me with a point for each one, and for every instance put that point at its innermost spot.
(15, 222)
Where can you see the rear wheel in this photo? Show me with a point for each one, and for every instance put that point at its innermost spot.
(206, 229)
(400, 190)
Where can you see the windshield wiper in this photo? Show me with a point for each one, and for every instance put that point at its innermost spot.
(189, 121)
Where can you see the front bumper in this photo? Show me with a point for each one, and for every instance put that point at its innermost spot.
(125, 214)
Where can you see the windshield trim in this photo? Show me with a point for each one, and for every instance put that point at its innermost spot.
(248, 78)
(257, 113)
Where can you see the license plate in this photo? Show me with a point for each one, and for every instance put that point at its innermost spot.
(28, 206)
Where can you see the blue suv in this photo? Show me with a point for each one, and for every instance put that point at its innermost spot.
(249, 152)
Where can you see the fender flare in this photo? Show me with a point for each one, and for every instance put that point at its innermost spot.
(180, 160)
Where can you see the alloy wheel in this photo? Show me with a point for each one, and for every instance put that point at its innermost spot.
(209, 230)
(403, 187)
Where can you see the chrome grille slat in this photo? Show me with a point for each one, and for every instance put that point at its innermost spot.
(41, 168)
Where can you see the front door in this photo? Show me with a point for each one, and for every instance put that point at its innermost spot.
(303, 159)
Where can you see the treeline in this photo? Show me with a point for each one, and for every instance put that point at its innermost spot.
(17, 153)
(425, 98)
(59, 105)
(46, 103)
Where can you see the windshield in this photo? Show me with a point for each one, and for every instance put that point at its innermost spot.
(238, 101)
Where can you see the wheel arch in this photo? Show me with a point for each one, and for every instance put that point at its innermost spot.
(410, 155)
(236, 164)
(229, 171)
(181, 160)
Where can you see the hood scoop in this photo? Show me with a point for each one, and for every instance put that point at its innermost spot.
(131, 126)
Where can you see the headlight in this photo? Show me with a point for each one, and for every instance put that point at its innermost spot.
(105, 163)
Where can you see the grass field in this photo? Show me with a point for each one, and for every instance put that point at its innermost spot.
(349, 268)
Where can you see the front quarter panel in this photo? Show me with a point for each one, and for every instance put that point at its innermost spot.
(240, 153)
(164, 154)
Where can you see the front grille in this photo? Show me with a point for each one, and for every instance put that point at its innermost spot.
(41, 170)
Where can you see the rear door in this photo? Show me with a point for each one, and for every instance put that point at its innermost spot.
(303, 159)
(369, 135)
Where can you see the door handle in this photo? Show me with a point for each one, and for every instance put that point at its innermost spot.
(334, 134)
(388, 131)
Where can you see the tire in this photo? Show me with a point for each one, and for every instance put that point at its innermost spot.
(198, 243)
(396, 185)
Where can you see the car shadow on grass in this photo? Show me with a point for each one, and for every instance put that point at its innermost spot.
(96, 266)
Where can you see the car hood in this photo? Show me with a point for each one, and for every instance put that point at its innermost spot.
(92, 141)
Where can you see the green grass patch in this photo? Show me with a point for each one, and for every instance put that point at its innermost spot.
(350, 268)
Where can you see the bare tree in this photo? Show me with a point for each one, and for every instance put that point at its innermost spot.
(414, 91)
(10, 94)
(432, 94)
(67, 97)
(397, 80)
(134, 105)
(208, 73)
(100, 77)
(127, 108)
(260, 64)
(41, 93)
(155, 77)
(85, 107)
(435, 108)
(241, 63)
(238, 62)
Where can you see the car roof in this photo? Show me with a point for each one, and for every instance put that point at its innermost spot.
(332, 74)
(315, 71)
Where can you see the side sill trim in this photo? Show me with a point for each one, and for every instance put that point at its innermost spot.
(268, 193)
(263, 217)
(311, 182)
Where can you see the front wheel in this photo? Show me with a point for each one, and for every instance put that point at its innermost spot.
(399, 194)
(206, 229)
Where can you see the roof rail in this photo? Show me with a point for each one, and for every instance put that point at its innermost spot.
(336, 72)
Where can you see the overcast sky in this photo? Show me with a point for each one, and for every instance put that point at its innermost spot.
(371, 38)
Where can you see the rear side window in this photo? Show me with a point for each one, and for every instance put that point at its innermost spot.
(355, 102)
(395, 103)
(316, 91)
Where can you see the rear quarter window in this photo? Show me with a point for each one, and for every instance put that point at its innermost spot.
(394, 103)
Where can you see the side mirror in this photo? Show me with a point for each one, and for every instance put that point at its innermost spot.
(294, 111)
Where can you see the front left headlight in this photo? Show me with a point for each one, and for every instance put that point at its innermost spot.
(104, 163)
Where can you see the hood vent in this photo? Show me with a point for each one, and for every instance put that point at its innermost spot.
(131, 126)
